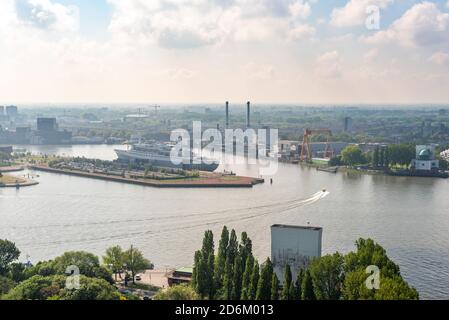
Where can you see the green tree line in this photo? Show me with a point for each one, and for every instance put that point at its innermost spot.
(234, 274)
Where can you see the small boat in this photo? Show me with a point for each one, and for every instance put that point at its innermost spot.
(328, 169)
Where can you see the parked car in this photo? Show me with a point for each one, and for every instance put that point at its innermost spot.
(138, 277)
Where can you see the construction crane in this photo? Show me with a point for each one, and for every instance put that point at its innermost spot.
(306, 153)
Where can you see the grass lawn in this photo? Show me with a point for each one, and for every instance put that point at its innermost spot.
(6, 179)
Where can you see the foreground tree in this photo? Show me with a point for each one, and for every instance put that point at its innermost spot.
(307, 287)
(298, 285)
(286, 290)
(254, 281)
(8, 254)
(274, 287)
(392, 285)
(246, 282)
(327, 274)
(54, 288)
(6, 285)
(135, 262)
(114, 259)
(181, 292)
(264, 285)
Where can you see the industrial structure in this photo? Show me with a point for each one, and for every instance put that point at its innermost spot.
(306, 154)
(248, 114)
(294, 245)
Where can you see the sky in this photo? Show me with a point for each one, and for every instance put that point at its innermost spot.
(199, 51)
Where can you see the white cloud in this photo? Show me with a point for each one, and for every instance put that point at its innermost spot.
(300, 9)
(301, 32)
(259, 71)
(422, 25)
(329, 65)
(47, 15)
(440, 58)
(371, 55)
(354, 12)
(191, 24)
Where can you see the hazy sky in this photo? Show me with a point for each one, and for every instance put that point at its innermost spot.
(286, 51)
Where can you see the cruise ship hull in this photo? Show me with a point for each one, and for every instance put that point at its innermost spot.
(130, 156)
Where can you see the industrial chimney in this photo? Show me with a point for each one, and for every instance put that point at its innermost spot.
(248, 114)
(227, 114)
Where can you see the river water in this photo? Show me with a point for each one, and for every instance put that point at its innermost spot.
(407, 216)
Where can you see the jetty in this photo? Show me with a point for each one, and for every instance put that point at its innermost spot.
(205, 180)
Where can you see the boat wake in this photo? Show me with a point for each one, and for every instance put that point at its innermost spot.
(205, 219)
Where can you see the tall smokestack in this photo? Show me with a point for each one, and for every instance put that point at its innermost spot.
(248, 114)
(227, 114)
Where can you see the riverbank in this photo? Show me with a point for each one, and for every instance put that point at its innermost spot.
(7, 181)
(205, 180)
(15, 168)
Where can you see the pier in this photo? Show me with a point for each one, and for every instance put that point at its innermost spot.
(206, 180)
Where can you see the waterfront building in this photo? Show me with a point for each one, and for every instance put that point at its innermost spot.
(48, 132)
(425, 159)
(180, 276)
(294, 245)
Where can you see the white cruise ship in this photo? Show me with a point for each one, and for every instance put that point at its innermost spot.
(159, 155)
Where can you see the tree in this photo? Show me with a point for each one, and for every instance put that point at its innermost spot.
(307, 287)
(246, 281)
(6, 285)
(274, 287)
(352, 155)
(327, 274)
(53, 287)
(237, 280)
(254, 281)
(87, 263)
(298, 285)
(376, 157)
(221, 258)
(233, 247)
(135, 262)
(392, 285)
(181, 292)
(114, 260)
(286, 290)
(395, 289)
(197, 261)
(8, 254)
(227, 282)
(245, 248)
(17, 272)
(264, 285)
(401, 154)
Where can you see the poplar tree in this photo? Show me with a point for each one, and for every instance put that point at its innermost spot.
(254, 281)
(298, 285)
(264, 285)
(286, 291)
(307, 287)
(220, 262)
(237, 279)
(227, 281)
(246, 281)
(274, 287)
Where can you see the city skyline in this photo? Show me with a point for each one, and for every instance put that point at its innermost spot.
(289, 51)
